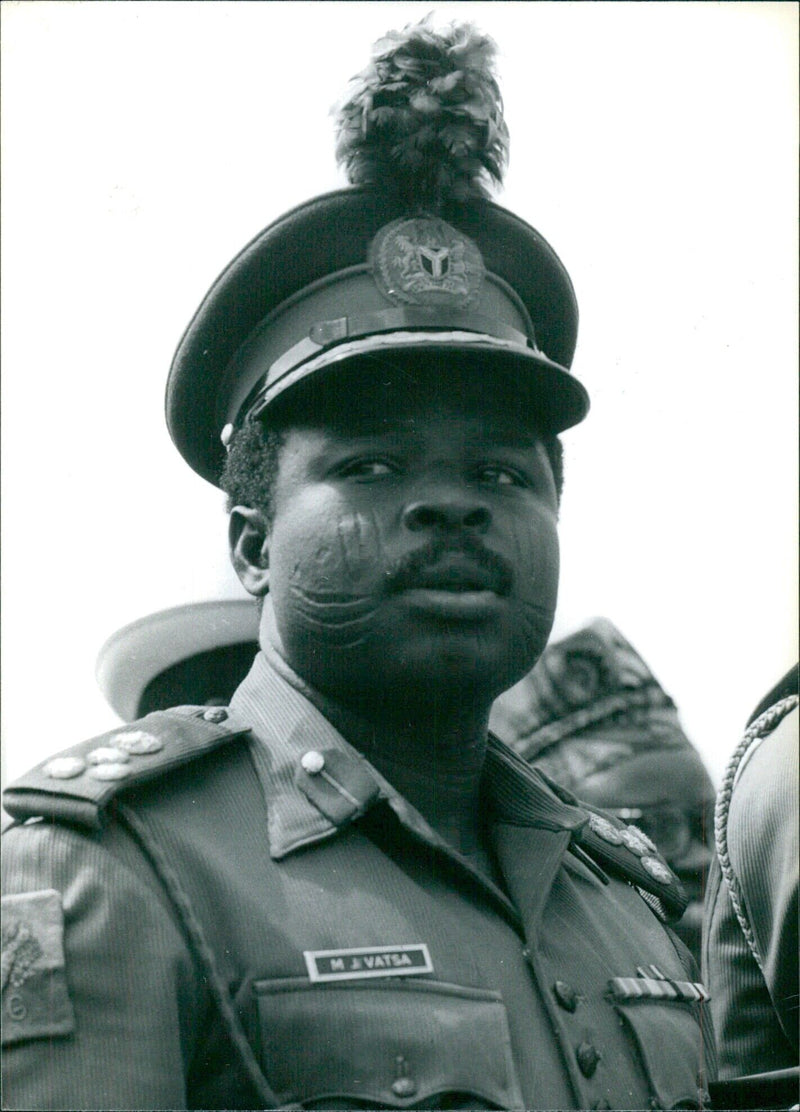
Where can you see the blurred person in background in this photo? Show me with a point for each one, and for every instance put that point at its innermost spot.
(592, 716)
(197, 653)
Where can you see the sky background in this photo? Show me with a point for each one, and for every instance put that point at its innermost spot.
(654, 146)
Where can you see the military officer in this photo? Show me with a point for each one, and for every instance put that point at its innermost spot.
(340, 891)
(593, 716)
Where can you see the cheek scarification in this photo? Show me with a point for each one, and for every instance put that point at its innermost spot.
(344, 558)
(332, 587)
(360, 545)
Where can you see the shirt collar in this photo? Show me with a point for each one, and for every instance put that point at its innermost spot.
(315, 782)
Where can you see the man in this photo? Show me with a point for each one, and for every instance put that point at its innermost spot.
(340, 892)
(592, 716)
(750, 947)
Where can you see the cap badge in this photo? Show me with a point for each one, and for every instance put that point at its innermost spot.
(425, 261)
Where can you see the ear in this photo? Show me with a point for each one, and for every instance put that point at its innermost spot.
(248, 538)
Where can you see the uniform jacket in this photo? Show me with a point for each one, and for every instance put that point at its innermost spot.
(223, 928)
(750, 952)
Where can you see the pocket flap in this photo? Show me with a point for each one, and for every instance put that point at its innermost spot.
(393, 1044)
(671, 1048)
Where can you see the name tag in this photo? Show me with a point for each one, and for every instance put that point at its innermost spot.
(368, 961)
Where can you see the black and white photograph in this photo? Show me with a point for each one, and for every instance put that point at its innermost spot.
(399, 534)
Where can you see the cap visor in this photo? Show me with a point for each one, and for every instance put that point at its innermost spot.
(558, 401)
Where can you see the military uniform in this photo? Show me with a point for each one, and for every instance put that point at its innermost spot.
(250, 881)
(225, 909)
(750, 948)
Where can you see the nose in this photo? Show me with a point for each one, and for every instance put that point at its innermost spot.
(696, 857)
(447, 512)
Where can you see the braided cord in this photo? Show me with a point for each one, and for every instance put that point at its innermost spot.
(205, 955)
(762, 726)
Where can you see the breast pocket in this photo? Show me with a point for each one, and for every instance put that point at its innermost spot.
(385, 1044)
(670, 1045)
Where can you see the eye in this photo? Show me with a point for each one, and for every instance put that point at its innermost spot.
(495, 474)
(365, 468)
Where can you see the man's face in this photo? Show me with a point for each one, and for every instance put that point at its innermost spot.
(413, 546)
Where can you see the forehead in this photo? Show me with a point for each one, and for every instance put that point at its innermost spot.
(391, 398)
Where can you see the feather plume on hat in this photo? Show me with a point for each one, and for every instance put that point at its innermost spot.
(421, 135)
(425, 118)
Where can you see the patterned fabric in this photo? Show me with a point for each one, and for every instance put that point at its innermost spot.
(593, 693)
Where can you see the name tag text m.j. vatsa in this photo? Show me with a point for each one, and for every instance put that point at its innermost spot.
(368, 961)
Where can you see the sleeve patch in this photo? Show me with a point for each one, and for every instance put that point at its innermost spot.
(35, 998)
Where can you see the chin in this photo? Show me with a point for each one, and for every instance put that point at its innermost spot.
(424, 659)
(474, 674)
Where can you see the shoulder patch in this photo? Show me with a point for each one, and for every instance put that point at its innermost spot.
(628, 853)
(77, 784)
(36, 1001)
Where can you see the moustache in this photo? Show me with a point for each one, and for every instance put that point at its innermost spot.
(411, 570)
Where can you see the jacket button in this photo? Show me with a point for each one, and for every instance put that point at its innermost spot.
(566, 995)
(312, 762)
(588, 1058)
(404, 1087)
(215, 714)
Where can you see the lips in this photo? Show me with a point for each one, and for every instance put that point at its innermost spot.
(454, 575)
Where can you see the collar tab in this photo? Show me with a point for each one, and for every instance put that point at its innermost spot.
(339, 785)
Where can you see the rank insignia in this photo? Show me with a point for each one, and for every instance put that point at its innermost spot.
(605, 829)
(362, 962)
(425, 261)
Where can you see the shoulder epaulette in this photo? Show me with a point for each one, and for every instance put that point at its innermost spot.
(627, 852)
(600, 839)
(77, 784)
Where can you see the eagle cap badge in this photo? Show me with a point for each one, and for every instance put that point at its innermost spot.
(423, 260)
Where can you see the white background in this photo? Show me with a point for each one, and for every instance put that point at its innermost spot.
(652, 144)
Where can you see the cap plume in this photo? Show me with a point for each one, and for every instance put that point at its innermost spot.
(425, 118)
